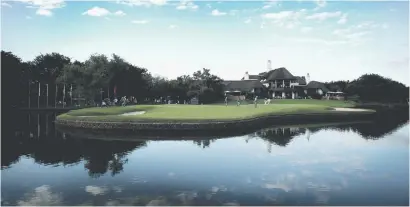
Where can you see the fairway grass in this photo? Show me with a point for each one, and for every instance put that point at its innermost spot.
(192, 112)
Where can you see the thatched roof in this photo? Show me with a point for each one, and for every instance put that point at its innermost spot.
(316, 85)
(242, 85)
(278, 74)
(254, 77)
(301, 80)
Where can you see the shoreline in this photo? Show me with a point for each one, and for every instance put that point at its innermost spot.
(180, 135)
(234, 124)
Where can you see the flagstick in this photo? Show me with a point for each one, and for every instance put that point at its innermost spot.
(29, 94)
(39, 93)
(38, 126)
(55, 97)
(47, 96)
(63, 96)
(71, 95)
(101, 95)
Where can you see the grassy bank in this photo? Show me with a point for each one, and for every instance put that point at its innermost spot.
(193, 112)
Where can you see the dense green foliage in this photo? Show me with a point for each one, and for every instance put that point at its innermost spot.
(98, 76)
(375, 88)
(372, 88)
(95, 79)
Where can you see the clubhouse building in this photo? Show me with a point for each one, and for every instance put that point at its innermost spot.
(276, 83)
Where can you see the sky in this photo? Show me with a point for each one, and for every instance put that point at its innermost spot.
(330, 40)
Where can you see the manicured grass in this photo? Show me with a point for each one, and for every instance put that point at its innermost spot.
(192, 112)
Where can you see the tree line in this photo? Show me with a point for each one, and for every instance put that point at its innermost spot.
(100, 76)
(372, 88)
(97, 77)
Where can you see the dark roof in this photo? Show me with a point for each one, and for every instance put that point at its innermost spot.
(316, 84)
(255, 77)
(301, 80)
(242, 85)
(278, 74)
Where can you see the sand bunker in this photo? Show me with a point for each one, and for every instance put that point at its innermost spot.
(124, 114)
(133, 113)
(350, 109)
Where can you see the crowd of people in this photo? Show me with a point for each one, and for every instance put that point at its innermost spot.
(124, 101)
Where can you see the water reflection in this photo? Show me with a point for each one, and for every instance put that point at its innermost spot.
(327, 164)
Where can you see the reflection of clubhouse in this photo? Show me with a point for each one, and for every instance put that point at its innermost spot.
(275, 83)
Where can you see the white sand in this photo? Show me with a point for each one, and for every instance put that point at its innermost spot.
(350, 109)
(133, 113)
(124, 114)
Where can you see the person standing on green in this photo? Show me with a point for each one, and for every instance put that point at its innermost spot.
(226, 100)
(255, 101)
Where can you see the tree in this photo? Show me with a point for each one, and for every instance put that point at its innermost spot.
(130, 80)
(15, 80)
(46, 68)
(375, 88)
(209, 86)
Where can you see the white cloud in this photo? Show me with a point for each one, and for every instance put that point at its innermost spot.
(44, 12)
(97, 12)
(187, 4)
(319, 41)
(266, 6)
(146, 3)
(102, 12)
(96, 190)
(172, 26)
(248, 21)
(370, 25)
(352, 35)
(41, 196)
(320, 3)
(4, 4)
(306, 29)
(324, 15)
(44, 7)
(139, 21)
(288, 19)
(45, 4)
(342, 19)
(119, 13)
(215, 12)
(270, 4)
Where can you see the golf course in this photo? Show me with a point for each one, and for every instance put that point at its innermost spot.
(180, 116)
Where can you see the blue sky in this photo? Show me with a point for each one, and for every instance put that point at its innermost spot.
(331, 40)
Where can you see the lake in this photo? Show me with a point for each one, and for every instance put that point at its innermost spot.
(344, 164)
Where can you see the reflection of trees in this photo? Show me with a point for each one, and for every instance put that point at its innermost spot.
(384, 124)
(100, 156)
(203, 143)
(103, 156)
(279, 136)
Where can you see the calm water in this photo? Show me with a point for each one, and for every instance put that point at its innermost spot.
(350, 164)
